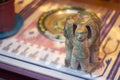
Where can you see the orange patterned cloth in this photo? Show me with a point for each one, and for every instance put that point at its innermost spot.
(31, 50)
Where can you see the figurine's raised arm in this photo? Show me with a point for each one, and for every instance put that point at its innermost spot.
(68, 28)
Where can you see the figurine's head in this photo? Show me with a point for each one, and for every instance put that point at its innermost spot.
(81, 33)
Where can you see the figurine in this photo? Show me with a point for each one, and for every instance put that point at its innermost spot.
(68, 33)
(82, 41)
(80, 51)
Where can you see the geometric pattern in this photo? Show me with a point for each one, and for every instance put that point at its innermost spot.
(30, 47)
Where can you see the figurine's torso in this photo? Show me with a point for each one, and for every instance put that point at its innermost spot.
(80, 49)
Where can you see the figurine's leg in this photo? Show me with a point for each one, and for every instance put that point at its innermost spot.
(86, 66)
(94, 52)
(94, 56)
(83, 64)
(68, 53)
(74, 62)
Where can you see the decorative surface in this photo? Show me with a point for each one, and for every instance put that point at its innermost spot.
(32, 51)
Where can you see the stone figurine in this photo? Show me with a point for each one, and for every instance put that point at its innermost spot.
(82, 41)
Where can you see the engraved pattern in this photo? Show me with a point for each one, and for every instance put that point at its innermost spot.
(29, 46)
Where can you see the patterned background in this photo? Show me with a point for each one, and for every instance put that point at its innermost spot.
(31, 47)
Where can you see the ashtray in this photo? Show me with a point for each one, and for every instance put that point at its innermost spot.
(51, 23)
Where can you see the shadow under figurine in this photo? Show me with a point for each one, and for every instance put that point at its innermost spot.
(82, 41)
